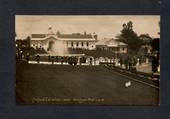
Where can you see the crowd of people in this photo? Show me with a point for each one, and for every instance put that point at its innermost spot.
(127, 63)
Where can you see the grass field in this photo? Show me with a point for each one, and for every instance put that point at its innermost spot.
(65, 84)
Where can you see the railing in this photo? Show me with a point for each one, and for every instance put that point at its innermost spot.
(145, 77)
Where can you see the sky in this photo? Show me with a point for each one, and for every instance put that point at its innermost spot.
(105, 26)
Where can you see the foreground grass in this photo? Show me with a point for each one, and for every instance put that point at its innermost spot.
(59, 84)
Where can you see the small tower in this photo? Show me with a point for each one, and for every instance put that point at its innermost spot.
(95, 36)
(50, 31)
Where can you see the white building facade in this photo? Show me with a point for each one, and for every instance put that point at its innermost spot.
(112, 45)
(75, 41)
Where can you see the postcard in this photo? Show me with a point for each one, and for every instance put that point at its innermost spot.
(88, 59)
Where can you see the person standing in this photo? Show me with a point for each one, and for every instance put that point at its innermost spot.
(27, 56)
(91, 61)
(38, 58)
(121, 62)
(52, 59)
(49, 58)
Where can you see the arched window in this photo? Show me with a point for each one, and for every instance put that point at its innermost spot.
(77, 44)
(72, 44)
(82, 44)
(87, 44)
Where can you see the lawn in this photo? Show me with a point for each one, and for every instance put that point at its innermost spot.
(65, 84)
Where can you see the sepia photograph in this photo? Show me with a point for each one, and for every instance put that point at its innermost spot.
(87, 60)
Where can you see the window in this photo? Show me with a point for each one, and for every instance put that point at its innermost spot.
(72, 44)
(77, 44)
(87, 44)
(82, 44)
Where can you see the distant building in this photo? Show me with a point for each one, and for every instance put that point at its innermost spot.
(112, 45)
(74, 40)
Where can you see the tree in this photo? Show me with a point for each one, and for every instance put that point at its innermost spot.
(145, 39)
(27, 41)
(129, 37)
